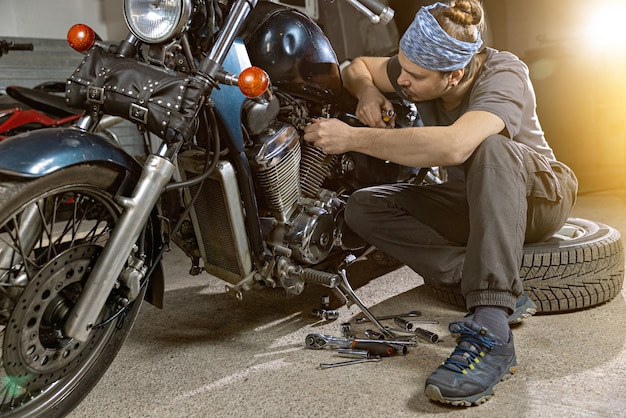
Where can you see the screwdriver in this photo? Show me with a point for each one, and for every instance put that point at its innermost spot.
(387, 115)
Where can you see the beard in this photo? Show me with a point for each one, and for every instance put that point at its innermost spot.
(410, 96)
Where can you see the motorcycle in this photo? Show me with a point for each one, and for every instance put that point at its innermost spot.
(84, 225)
(227, 86)
(6, 46)
(23, 109)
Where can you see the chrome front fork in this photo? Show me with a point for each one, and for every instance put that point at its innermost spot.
(157, 172)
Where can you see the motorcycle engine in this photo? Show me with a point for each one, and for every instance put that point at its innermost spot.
(296, 211)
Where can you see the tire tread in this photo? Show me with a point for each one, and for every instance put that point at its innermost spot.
(569, 277)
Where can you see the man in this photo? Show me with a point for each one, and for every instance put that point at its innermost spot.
(505, 185)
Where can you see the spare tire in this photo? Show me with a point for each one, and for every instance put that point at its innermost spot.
(579, 267)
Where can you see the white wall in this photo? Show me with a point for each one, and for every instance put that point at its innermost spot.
(52, 18)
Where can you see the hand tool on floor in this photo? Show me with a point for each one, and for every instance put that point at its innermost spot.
(374, 335)
(410, 325)
(379, 347)
(411, 314)
(349, 362)
(344, 286)
(325, 314)
(349, 352)
(419, 332)
(346, 330)
(426, 335)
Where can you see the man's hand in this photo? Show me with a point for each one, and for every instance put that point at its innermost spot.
(330, 135)
(366, 79)
(372, 104)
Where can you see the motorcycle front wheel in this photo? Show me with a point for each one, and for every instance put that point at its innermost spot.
(52, 230)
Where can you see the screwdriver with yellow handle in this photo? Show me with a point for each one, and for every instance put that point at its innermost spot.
(388, 116)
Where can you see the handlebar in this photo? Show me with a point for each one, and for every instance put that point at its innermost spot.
(5, 47)
(21, 47)
(375, 10)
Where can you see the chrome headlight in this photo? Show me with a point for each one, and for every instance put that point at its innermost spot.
(156, 21)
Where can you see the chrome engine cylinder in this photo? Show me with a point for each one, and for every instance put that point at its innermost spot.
(290, 174)
(315, 168)
(277, 162)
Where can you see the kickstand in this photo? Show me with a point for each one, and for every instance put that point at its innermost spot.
(346, 290)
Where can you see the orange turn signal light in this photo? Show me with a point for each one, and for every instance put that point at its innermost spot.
(81, 37)
(253, 82)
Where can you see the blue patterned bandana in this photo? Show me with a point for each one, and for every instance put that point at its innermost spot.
(426, 44)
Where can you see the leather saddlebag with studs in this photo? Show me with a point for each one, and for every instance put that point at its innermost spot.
(161, 101)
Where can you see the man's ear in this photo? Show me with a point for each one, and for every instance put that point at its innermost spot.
(456, 76)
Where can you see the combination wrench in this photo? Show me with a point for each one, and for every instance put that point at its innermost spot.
(350, 362)
(411, 314)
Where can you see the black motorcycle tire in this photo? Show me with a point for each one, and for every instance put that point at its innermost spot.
(62, 371)
(580, 267)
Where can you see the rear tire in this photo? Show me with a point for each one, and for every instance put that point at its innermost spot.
(580, 267)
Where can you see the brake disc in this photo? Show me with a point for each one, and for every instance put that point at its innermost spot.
(35, 351)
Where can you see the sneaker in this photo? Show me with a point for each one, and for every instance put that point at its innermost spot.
(524, 308)
(479, 361)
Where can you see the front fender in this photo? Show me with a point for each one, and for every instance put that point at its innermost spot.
(43, 151)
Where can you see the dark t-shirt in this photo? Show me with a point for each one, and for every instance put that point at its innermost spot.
(503, 87)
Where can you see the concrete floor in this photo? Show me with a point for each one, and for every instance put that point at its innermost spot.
(207, 355)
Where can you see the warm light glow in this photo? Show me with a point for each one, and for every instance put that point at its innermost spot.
(604, 30)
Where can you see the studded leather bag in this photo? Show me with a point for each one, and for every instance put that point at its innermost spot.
(161, 101)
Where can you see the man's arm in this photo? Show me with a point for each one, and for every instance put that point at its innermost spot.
(366, 79)
(414, 147)
(366, 71)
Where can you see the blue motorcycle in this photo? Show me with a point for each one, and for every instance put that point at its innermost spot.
(227, 87)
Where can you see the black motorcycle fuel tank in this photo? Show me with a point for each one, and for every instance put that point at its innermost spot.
(294, 51)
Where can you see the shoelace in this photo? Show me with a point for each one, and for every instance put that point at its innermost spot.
(470, 346)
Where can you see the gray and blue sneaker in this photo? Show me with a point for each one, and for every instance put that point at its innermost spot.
(479, 361)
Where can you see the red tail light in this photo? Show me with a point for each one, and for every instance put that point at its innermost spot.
(81, 37)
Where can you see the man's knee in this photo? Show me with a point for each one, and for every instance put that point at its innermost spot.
(496, 151)
(357, 209)
(493, 146)
(366, 206)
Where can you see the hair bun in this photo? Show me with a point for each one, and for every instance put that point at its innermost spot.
(471, 11)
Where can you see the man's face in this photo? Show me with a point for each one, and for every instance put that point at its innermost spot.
(419, 83)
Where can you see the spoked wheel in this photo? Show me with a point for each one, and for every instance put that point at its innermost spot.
(52, 230)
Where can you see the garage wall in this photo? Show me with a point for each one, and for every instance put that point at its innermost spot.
(54, 60)
(45, 24)
(580, 87)
(50, 19)
(581, 93)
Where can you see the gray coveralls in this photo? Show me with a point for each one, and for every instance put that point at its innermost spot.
(470, 230)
